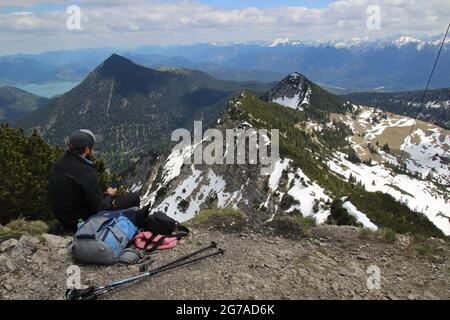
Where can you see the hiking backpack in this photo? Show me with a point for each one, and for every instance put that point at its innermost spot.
(103, 237)
(161, 231)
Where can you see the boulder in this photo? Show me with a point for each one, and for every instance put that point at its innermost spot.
(29, 241)
(10, 284)
(8, 244)
(6, 264)
(22, 248)
(55, 242)
(41, 257)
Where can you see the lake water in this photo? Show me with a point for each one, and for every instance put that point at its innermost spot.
(49, 90)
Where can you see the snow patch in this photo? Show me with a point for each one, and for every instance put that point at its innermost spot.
(361, 217)
(289, 102)
(418, 195)
(275, 176)
(308, 193)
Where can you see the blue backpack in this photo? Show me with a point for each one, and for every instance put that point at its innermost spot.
(103, 237)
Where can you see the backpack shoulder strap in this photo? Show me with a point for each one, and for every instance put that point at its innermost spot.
(181, 232)
(157, 244)
(149, 241)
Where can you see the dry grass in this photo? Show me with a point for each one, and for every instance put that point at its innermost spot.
(207, 216)
(19, 227)
(384, 234)
(294, 225)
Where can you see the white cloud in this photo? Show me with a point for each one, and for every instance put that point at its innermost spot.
(119, 23)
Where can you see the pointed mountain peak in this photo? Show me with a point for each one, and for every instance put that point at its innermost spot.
(295, 77)
(115, 62)
(115, 58)
(298, 92)
(294, 91)
(295, 81)
(127, 75)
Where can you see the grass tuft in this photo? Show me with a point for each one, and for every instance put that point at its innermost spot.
(295, 225)
(21, 226)
(227, 216)
(384, 234)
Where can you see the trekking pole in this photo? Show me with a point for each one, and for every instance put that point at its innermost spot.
(103, 290)
(211, 246)
(92, 292)
(163, 267)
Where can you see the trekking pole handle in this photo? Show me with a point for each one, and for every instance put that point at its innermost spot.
(81, 294)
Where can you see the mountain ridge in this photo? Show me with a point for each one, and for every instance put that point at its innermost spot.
(305, 181)
(16, 103)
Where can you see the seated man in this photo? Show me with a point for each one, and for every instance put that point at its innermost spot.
(74, 187)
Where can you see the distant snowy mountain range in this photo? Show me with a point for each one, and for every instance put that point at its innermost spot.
(402, 63)
(358, 43)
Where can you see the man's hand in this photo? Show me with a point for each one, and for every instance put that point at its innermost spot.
(111, 191)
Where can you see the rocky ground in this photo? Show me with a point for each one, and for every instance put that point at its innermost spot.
(331, 263)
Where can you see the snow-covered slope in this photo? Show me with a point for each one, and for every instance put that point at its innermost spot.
(423, 181)
(418, 195)
(435, 107)
(182, 190)
(426, 150)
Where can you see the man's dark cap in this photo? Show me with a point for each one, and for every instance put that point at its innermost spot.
(83, 138)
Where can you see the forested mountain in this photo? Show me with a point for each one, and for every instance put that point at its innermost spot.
(15, 103)
(134, 108)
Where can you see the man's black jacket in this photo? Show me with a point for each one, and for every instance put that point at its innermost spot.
(75, 191)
